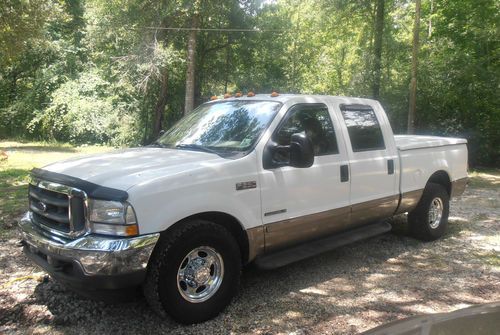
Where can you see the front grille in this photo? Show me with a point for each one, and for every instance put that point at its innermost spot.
(57, 208)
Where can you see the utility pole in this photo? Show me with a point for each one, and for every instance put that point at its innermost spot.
(414, 66)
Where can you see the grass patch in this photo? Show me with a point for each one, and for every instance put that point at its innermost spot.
(13, 190)
(14, 172)
(484, 178)
(489, 258)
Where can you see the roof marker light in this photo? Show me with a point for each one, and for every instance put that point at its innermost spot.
(213, 97)
(250, 94)
(274, 94)
(227, 95)
(238, 95)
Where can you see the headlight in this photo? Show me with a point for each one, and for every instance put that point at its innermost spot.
(112, 218)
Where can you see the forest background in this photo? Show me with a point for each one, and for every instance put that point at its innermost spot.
(116, 72)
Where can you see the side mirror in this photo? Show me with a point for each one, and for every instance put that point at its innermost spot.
(301, 151)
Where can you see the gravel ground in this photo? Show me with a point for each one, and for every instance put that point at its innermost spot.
(344, 291)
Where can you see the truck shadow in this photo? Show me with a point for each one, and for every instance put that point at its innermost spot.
(387, 277)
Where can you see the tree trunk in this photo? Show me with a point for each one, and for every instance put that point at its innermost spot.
(296, 35)
(191, 65)
(429, 33)
(414, 66)
(340, 72)
(160, 105)
(377, 49)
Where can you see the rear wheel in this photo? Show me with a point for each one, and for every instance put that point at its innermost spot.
(194, 272)
(429, 220)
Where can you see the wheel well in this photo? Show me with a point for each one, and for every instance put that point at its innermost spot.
(227, 221)
(441, 178)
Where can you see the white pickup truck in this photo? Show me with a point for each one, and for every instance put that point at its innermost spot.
(268, 179)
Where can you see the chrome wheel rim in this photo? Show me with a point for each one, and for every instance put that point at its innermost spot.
(435, 212)
(200, 274)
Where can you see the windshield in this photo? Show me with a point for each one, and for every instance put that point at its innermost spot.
(224, 128)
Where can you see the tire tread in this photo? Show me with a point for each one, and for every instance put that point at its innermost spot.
(417, 218)
(160, 255)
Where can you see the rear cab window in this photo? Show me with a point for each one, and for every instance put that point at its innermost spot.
(363, 128)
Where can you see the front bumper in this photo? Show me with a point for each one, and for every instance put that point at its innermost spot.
(89, 262)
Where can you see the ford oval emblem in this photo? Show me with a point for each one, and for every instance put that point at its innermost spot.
(43, 206)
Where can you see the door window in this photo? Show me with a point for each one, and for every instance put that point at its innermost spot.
(315, 122)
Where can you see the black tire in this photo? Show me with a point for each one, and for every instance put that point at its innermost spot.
(161, 286)
(419, 222)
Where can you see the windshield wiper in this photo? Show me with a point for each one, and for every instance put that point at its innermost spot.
(196, 147)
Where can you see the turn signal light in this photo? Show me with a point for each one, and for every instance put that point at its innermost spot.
(131, 230)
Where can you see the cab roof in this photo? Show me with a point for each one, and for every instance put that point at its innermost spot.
(298, 98)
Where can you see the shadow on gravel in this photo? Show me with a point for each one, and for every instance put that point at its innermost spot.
(351, 277)
(386, 276)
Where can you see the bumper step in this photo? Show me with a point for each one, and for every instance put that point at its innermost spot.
(303, 251)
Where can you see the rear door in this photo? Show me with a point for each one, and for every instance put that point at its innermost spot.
(373, 161)
(300, 204)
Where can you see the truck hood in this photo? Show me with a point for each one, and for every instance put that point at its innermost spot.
(122, 169)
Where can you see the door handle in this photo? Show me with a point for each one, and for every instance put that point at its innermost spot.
(390, 166)
(344, 173)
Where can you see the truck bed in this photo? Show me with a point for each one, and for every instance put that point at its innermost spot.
(408, 142)
(422, 156)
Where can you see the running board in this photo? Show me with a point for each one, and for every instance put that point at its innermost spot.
(303, 251)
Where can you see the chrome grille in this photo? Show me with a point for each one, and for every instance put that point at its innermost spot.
(60, 209)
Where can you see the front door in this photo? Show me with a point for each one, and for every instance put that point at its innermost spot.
(299, 204)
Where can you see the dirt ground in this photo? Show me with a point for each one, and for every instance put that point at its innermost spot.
(345, 291)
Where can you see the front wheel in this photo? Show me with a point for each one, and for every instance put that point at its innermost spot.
(429, 220)
(194, 272)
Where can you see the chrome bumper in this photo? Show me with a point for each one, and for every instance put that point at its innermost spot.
(94, 255)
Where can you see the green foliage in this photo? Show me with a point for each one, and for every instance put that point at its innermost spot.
(97, 71)
(87, 109)
(22, 21)
(460, 79)
(41, 53)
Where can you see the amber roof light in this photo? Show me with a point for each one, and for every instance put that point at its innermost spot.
(213, 97)
(250, 94)
(275, 94)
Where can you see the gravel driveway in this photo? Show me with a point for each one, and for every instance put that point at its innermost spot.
(344, 291)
